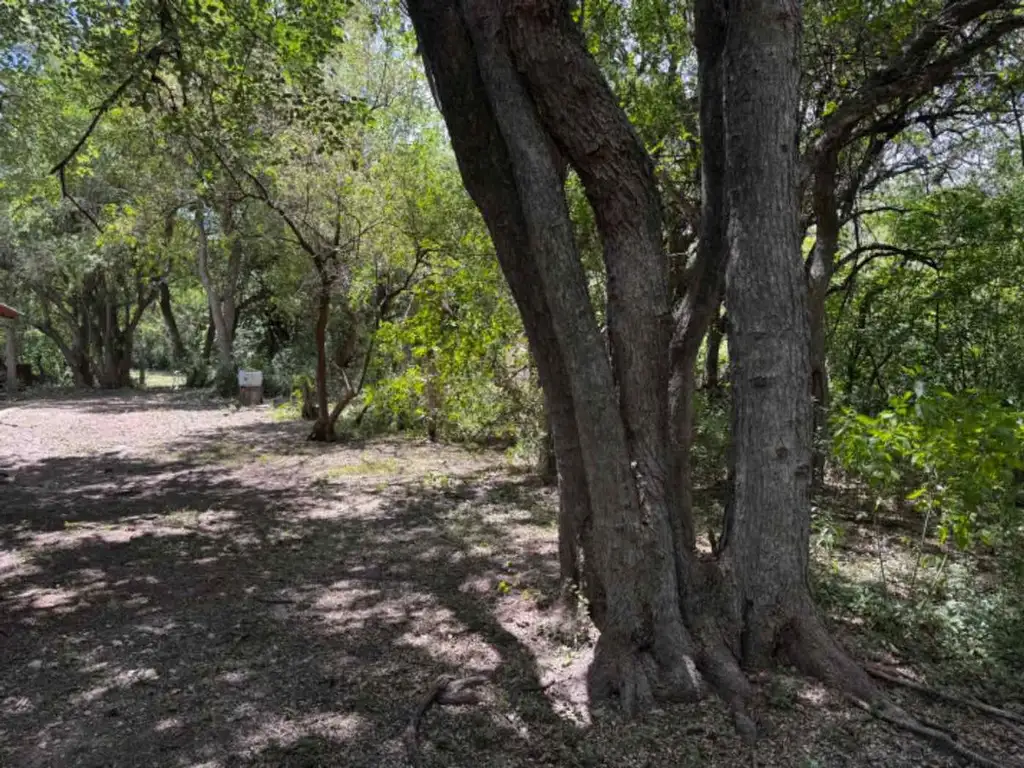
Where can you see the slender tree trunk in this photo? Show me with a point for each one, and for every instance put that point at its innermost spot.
(77, 358)
(547, 463)
(432, 396)
(223, 336)
(76, 355)
(171, 324)
(487, 173)
(323, 427)
(11, 355)
(704, 292)
(228, 296)
(110, 367)
(199, 375)
(819, 275)
(712, 385)
(208, 339)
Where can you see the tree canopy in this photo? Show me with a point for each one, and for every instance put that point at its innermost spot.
(710, 261)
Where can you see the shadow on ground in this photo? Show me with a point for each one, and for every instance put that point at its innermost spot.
(120, 400)
(171, 613)
(245, 598)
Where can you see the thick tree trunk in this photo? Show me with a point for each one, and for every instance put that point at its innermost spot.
(765, 548)
(81, 368)
(221, 311)
(198, 376)
(178, 353)
(76, 354)
(511, 76)
(487, 173)
(707, 278)
(644, 647)
(766, 537)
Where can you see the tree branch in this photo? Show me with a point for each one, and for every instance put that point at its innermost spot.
(876, 251)
(152, 55)
(910, 75)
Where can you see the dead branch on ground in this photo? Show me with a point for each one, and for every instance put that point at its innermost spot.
(446, 691)
(895, 679)
(895, 716)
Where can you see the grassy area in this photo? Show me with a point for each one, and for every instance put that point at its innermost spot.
(160, 379)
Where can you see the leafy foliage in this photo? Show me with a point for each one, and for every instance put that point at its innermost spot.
(958, 459)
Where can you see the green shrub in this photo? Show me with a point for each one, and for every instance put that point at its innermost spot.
(955, 457)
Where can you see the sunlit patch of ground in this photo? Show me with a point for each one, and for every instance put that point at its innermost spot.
(187, 583)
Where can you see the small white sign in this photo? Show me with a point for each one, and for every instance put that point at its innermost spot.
(250, 378)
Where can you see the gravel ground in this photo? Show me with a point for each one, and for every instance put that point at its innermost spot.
(184, 583)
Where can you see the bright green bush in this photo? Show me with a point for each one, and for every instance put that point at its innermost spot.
(957, 458)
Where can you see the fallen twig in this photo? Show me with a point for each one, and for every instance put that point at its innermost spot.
(913, 685)
(445, 691)
(896, 716)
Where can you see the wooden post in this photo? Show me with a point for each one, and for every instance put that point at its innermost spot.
(12, 358)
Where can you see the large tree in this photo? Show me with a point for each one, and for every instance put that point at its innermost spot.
(522, 98)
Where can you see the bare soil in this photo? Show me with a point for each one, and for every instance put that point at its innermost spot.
(185, 583)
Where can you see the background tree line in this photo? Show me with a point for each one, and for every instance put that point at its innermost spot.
(612, 258)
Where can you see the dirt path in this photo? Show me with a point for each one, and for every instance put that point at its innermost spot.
(187, 584)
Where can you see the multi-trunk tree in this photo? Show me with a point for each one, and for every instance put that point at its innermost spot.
(523, 100)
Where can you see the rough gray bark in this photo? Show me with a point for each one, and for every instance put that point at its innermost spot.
(765, 548)
(644, 646)
(707, 276)
(487, 174)
(766, 538)
(511, 76)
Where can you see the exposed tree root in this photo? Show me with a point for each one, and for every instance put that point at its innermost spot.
(446, 690)
(814, 650)
(896, 716)
(725, 676)
(913, 685)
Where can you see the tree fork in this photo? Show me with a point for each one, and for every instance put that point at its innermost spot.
(641, 646)
(647, 651)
